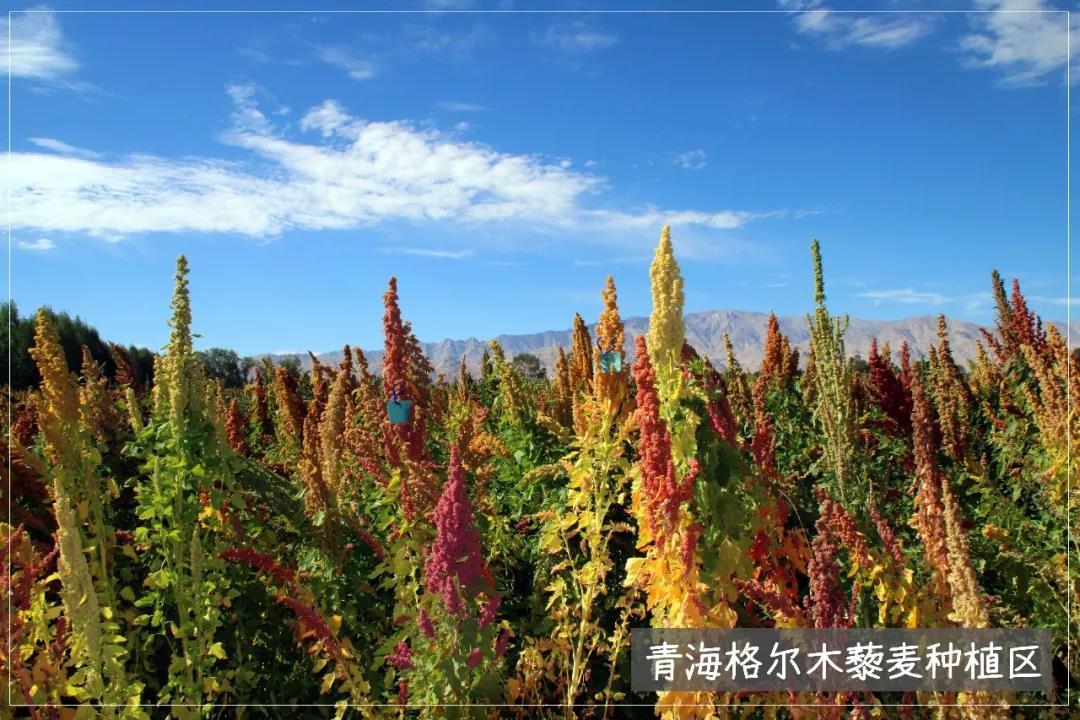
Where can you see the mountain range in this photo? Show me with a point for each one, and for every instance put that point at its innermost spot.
(705, 332)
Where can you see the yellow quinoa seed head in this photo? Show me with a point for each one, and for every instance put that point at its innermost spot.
(666, 328)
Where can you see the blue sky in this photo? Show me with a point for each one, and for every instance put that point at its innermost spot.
(500, 165)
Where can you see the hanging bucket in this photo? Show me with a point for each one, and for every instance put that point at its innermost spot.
(610, 361)
(399, 411)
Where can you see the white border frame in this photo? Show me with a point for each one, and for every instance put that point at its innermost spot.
(1068, 306)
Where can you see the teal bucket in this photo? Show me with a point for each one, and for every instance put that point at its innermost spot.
(610, 361)
(399, 411)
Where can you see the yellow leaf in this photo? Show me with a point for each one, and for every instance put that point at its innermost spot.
(881, 590)
(327, 683)
(913, 618)
(85, 711)
(218, 651)
(633, 569)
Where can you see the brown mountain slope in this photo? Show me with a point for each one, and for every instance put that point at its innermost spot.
(705, 331)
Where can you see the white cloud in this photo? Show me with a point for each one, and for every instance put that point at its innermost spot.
(246, 114)
(576, 37)
(58, 146)
(38, 50)
(691, 159)
(1021, 40)
(460, 107)
(357, 68)
(906, 296)
(340, 173)
(328, 118)
(41, 244)
(840, 29)
(428, 252)
(1025, 40)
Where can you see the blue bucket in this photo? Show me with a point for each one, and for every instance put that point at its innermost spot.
(399, 411)
(610, 361)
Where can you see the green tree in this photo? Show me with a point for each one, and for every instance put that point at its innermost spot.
(17, 336)
(223, 365)
(291, 363)
(247, 367)
(529, 367)
(143, 359)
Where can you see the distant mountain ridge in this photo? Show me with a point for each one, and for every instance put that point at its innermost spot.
(705, 332)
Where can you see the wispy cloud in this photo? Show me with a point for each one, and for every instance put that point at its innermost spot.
(427, 252)
(460, 107)
(41, 244)
(624, 260)
(1056, 300)
(977, 303)
(258, 53)
(1027, 41)
(58, 146)
(652, 217)
(421, 39)
(370, 53)
(748, 110)
(337, 172)
(447, 4)
(355, 67)
(691, 159)
(840, 30)
(850, 281)
(576, 37)
(906, 296)
(39, 51)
